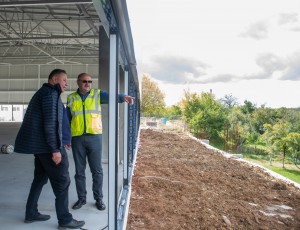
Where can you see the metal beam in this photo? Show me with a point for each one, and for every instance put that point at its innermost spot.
(125, 133)
(113, 134)
(42, 3)
(102, 16)
(46, 56)
(45, 52)
(38, 10)
(122, 18)
(89, 22)
(48, 38)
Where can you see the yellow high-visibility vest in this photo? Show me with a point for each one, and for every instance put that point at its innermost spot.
(86, 115)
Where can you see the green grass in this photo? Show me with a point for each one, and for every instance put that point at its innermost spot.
(291, 174)
(217, 143)
(290, 171)
(255, 157)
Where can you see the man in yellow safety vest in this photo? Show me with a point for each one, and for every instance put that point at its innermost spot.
(84, 113)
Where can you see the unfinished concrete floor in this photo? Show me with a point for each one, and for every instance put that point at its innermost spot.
(16, 174)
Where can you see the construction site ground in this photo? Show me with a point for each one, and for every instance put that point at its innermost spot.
(179, 183)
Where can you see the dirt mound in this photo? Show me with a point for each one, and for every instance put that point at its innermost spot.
(180, 184)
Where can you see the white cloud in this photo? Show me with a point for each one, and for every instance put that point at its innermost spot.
(230, 46)
(177, 69)
(258, 30)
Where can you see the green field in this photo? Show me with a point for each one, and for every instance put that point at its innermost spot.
(290, 171)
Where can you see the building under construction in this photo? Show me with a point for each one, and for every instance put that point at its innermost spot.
(92, 36)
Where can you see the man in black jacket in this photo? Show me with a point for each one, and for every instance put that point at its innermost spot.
(41, 134)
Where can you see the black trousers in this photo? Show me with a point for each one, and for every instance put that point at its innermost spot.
(59, 178)
(88, 148)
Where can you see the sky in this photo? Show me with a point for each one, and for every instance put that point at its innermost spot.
(249, 49)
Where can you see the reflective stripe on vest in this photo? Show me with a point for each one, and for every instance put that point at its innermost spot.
(86, 115)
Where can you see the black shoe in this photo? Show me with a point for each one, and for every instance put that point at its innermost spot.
(37, 217)
(100, 205)
(73, 224)
(79, 204)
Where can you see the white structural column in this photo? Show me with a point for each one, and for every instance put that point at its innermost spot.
(112, 133)
(125, 151)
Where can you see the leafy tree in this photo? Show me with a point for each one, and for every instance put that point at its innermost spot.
(173, 112)
(235, 128)
(281, 144)
(275, 138)
(152, 103)
(229, 101)
(263, 116)
(293, 142)
(190, 105)
(248, 107)
(292, 116)
(267, 138)
(204, 115)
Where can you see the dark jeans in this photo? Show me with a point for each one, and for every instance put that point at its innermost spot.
(60, 181)
(88, 147)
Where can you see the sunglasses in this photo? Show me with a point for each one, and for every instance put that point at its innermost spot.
(85, 81)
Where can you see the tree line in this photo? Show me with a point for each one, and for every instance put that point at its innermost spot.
(235, 127)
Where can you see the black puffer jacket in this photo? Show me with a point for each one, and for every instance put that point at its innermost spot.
(41, 130)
